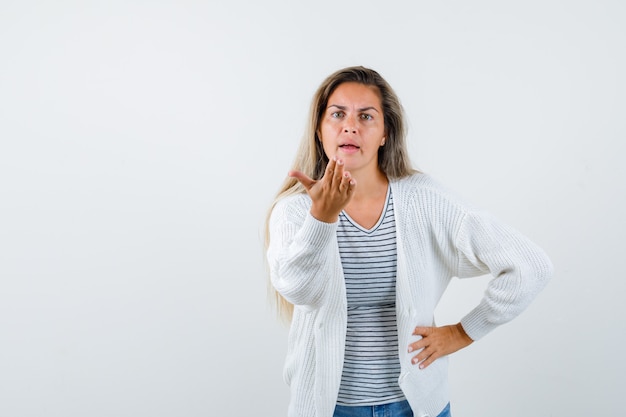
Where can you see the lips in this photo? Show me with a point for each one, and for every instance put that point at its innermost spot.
(349, 146)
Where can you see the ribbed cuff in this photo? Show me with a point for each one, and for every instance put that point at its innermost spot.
(476, 324)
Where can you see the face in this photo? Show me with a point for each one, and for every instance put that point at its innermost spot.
(352, 127)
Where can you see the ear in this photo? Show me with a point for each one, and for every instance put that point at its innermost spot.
(382, 143)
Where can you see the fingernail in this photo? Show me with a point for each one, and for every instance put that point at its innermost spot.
(410, 349)
(339, 162)
(421, 366)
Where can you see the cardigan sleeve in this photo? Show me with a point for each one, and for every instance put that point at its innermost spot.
(520, 270)
(300, 253)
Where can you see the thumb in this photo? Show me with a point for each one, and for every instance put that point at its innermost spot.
(304, 179)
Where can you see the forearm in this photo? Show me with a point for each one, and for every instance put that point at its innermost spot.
(520, 270)
(301, 260)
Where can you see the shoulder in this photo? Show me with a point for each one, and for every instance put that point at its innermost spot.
(292, 206)
(417, 182)
(423, 188)
(293, 200)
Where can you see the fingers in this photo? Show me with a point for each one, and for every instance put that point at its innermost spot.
(422, 331)
(334, 172)
(331, 193)
(423, 345)
(336, 178)
(347, 183)
(436, 342)
(427, 356)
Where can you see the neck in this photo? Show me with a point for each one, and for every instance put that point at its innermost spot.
(369, 184)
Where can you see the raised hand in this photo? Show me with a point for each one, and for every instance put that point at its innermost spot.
(330, 194)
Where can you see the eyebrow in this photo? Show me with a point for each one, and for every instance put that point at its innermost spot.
(346, 108)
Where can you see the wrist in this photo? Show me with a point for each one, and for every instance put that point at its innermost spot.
(463, 334)
(324, 216)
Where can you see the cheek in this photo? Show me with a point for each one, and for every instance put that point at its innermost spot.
(325, 132)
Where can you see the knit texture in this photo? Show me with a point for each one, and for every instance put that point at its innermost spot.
(439, 236)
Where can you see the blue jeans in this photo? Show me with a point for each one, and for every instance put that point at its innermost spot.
(399, 409)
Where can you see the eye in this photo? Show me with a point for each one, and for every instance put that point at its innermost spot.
(366, 116)
(337, 114)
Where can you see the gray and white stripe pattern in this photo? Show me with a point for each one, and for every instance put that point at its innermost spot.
(371, 364)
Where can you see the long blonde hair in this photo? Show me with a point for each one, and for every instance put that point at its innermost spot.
(393, 158)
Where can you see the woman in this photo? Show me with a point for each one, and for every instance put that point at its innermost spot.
(361, 247)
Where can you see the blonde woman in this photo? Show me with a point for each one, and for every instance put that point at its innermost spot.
(361, 247)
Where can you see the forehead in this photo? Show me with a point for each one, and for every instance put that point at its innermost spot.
(357, 94)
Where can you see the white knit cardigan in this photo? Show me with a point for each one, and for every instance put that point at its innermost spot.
(439, 236)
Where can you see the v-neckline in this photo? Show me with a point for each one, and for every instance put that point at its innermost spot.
(380, 219)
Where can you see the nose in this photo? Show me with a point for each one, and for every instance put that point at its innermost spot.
(350, 125)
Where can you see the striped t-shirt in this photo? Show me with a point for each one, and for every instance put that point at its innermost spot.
(371, 365)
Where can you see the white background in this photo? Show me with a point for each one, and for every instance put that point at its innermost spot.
(142, 142)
